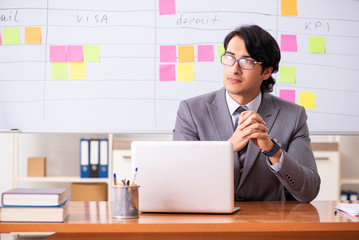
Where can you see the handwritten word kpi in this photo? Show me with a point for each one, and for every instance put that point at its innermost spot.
(92, 18)
(206, 20)
(9, 17)
(317, 25)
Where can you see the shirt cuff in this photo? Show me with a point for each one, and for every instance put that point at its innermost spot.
(276, 166)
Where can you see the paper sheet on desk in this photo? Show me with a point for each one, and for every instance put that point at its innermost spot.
(350, 208)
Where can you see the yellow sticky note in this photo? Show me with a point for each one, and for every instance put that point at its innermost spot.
(286, 74)
(58, 70)
(185, 54)
(33, 35)
(185, 72)
(77, 70)
(307, 100)
(316, 44)
(91, 53)
(11, 35)
(220, 51)
(288, 8)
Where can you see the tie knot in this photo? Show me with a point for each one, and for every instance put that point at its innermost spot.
(241, 109)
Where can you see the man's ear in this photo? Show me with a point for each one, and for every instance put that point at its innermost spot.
(267, 72)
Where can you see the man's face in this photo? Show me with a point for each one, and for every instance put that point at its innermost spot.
(242, 85)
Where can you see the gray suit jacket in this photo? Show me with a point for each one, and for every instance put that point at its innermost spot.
(206, 118)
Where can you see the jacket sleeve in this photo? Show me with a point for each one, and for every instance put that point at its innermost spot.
(299, 170)
(185, 127)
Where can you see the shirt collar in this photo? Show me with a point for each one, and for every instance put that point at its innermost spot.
(253, 105)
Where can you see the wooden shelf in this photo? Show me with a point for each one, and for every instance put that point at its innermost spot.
(349, 180)
(62, 179)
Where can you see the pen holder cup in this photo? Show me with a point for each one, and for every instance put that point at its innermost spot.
(125, 201)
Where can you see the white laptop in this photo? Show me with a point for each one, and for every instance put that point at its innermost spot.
(184, 176)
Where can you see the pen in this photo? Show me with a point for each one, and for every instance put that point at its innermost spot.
(114, 179)
(134, 177)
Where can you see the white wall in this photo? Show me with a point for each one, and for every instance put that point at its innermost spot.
(349, 154)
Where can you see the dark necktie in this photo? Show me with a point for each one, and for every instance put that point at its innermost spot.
(242, 152)
(238, 111)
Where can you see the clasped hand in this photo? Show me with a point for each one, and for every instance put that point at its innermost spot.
(251, 127)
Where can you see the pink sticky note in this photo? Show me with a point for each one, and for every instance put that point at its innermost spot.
(58, 54)
(168, 54)
(0, 38)
(288, 43)
(167, 72)
(75, 54)
(205, 53)
(288, 95)
(167, 7)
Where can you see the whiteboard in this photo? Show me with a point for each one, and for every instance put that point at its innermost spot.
(130, 89)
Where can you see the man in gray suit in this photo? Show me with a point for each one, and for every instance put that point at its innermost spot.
(270, 136)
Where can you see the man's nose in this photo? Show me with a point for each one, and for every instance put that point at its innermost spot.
(236, 68)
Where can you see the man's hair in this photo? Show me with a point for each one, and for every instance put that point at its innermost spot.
(261, 46)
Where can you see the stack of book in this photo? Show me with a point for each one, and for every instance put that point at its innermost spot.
(34, 205)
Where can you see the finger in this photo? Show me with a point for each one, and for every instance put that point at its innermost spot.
(250, 121)
(257, 136)
(251, 115)
(257, 127)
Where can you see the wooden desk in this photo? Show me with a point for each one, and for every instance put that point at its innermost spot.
(255, 220)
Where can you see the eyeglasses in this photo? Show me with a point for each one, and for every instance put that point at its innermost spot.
(244, 63)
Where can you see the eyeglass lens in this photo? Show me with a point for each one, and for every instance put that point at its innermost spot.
(243, 63)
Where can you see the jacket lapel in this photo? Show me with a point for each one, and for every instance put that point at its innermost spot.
(220, 116)
(269, 113)
(223, 125)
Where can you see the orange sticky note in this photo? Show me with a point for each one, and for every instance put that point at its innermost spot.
(33, 35)
(185, 54)
(288, 8)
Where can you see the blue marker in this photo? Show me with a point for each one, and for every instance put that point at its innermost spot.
(114, 179)
(134, 177)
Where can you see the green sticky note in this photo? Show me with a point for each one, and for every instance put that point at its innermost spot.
(91, 53)
(307, 100)
(185, 72)
(11, 35)
(316, 44)
(286, 74)
(58, 70)
(220, 51)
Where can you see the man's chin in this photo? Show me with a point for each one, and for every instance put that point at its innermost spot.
(232, 90)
